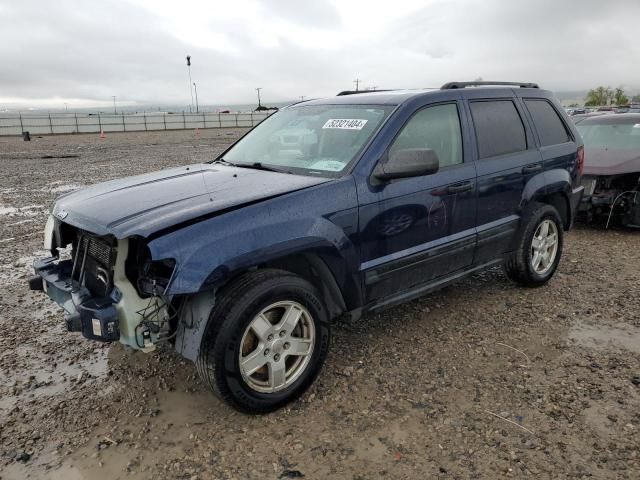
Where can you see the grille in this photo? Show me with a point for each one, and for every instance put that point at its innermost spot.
(99, 250)
(95, 269)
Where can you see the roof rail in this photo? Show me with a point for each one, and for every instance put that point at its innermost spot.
(453, 85)
(356, 92)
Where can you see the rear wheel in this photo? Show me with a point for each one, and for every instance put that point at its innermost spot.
(538, 249)
(266, 340)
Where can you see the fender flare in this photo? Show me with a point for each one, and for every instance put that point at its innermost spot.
(546, 185)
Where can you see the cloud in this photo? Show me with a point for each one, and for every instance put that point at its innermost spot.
(86, 52)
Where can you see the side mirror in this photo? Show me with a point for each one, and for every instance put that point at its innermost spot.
(409, 162)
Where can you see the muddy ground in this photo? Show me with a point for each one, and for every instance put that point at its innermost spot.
(481, 380)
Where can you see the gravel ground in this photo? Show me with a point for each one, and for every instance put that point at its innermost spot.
(480, 380)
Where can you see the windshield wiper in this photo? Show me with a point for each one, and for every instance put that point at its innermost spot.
(261, 166)
(224, 162)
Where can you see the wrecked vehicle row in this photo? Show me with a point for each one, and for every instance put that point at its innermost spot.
(612, 169)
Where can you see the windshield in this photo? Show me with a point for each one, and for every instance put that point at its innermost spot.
(310, 140)
(614, 136)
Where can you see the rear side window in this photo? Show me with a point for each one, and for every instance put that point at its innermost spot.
(499, 128)
(550, 127)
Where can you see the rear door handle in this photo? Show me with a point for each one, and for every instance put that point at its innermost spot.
(460, 187)
(536, 167)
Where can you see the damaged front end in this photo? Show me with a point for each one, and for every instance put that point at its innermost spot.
(612, 200)
(109, 288)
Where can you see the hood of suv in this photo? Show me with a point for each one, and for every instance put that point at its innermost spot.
(145, 204)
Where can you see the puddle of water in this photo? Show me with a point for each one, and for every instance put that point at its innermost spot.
(602, 337)
(41, 469)
(38, 377)
(64, 188)
(42, 380)
(29, 210)
(180, 410)
(7, 210)
(19, 269)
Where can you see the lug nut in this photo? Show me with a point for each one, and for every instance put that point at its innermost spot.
(276, 357)
(266, 352)
(269, 338)
(282, 333)
(286, 346)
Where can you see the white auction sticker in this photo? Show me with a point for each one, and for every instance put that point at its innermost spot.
(345, 123)
(97, 329)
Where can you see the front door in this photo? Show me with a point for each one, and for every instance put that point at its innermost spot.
(418, 229)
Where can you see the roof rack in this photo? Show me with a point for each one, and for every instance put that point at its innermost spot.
(356, 92)
(453, 85)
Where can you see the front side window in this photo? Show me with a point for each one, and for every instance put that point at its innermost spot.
(437, 128)
(499, 128)
(551, 129)
(310, 139)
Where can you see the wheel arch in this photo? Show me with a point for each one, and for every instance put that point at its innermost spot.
(323, 267)
(552, 187)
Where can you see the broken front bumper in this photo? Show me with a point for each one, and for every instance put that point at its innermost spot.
(95, 317)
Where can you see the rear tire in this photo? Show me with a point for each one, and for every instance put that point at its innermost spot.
(266, 340)
(538, 247)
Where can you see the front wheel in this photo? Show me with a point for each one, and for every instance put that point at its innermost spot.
(266, 340)
(538, 249)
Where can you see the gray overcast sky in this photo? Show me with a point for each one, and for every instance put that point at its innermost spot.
(83, 52)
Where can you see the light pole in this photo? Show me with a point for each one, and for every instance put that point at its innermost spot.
(357, 82)
(66, 107)
(114, 105)
(190, 82)
(195, 88)
(259, 104)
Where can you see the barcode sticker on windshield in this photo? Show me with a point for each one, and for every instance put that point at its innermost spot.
(345, 123)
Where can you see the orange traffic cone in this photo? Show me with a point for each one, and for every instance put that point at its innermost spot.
(102, 135)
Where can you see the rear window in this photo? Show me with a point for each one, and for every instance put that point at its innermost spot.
(499, 128)
(550, 127)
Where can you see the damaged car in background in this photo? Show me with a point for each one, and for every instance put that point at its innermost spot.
(330, 207)
(612, 170)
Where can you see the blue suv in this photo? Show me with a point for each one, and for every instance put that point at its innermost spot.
(329, 207)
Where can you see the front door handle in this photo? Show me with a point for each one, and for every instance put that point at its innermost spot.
(536, 167)
(460, 187)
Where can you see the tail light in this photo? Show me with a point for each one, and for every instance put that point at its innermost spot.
(580, 160)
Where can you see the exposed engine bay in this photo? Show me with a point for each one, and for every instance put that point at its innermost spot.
(109, 288)
(612, 200)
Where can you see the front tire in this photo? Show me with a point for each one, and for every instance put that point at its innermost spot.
(538, 247)
(266, 340)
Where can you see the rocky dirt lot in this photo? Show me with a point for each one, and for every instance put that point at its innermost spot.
(481, 380)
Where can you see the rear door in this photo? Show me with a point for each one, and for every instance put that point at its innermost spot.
(506, 158)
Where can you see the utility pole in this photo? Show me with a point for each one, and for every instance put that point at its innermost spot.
(66, 107)
(357, 82)
(190, 82)
(114, 105)
(302, 98)
(195, 88)
(258, 90)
